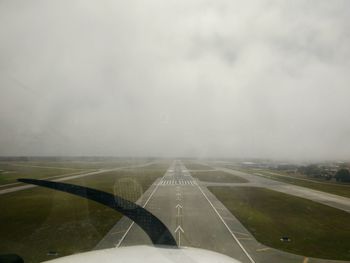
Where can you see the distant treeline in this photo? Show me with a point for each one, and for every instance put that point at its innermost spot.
(341, 174)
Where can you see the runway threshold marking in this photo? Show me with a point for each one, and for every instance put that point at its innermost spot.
(169, 180)
(223, 221)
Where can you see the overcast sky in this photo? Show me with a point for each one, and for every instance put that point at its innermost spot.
(196, 78)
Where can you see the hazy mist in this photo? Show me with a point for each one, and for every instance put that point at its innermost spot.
(175, 78)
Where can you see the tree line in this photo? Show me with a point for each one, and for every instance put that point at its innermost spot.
(341, 175)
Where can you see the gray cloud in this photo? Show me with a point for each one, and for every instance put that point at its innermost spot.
(175, 78)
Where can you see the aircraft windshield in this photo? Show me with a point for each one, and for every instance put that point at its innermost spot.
(217, 125)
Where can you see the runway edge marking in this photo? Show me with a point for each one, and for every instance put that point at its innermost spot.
(223, 221)
(149, 198)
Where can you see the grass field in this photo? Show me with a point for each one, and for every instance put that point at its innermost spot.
(141, 178)
(36, 221)
(84, 164)
(218, 177)
(315, 230)
(338, 189)
(196, 166)
(10, 172)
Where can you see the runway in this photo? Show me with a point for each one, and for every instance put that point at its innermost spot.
(179, 201)
(197, 219)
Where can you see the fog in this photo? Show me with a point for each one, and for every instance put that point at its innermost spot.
(265, 79)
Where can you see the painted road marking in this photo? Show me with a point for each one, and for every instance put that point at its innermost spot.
(179, 230)
(149, 198)
(223, 221)
(177, 182)
(263, 249)
(240, 233)
(179, 208)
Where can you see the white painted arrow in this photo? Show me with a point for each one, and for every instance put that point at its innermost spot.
(179, 230)
(178, 206)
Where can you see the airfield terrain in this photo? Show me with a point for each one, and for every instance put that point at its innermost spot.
(204, 204)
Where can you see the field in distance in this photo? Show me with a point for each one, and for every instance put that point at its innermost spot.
(50, 167)
(35, 221)
(217, 177)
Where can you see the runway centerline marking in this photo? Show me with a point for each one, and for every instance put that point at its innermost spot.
(179, 230)
(179, 208)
